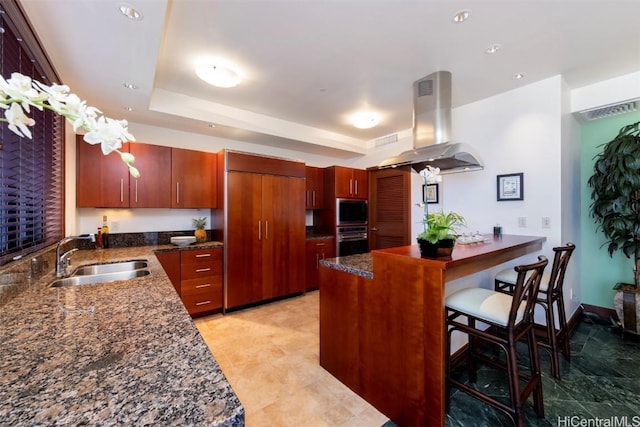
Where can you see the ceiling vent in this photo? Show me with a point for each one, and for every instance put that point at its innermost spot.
(389, 139)
(609, 110)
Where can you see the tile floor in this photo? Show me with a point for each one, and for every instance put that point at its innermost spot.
(270, 356)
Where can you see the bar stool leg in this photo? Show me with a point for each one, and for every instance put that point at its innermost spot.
(553, 339)
(472, 363)
(513, 379)
(564, 332)
(538, 403)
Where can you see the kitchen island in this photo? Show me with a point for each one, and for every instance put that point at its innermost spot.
(382, 330)
(118, 353)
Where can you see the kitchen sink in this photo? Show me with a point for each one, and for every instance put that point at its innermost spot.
(88, 279)
(112, 267)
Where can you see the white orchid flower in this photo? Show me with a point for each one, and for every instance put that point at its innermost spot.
(431, 175)
(18, 121)
(20, 92)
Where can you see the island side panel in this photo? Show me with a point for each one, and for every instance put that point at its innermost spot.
(401, 340)
(339, 325)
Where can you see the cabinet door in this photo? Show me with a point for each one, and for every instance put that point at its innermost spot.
(344, 182)
(153, 188)
(101, 181)
(193, 179)
(360, 184)
(243, 242)
(316, 250)
(283, 244)
(314, 192)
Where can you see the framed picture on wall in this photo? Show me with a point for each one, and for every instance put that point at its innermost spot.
(430, 193)
(510, 187)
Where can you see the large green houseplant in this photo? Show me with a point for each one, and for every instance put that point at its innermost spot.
(615, 196)
(440, 233)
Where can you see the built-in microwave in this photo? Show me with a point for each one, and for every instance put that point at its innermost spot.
(351, 211)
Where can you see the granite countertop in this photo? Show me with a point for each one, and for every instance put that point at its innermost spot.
(119, 353)
(360, 264)
(319, 236)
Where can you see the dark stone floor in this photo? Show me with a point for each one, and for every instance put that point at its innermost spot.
(602, 381)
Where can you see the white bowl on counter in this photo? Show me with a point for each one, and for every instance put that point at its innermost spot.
(183, 240)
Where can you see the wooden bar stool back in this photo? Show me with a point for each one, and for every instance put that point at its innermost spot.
(551, 295)
(510, 319)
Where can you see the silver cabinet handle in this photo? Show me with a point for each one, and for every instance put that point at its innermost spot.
(321, 244)
(206, 285)
(202, 270)
(350, 186)
(121, 190)
(374, 228)
(313, 197)
(259, 230)
(356, 187)
(266, 230)
(177, 192)
(203, 302)
(203, 255)
(136, 191)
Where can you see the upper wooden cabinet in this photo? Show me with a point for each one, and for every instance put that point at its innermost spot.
(193, 179)
(101, 181)
(105, 182)
(348, 182)
(314, 192)
(153, 188)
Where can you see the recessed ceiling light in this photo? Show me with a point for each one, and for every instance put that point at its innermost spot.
(461, 16)
(130, 12)
(492, 48)
(130, 86)
(519, 76)
(218, 74)
(211, 125)
(128, 108)
(365, 120)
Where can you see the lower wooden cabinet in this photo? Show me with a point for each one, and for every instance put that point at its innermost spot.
(197, 276)
(316, 250)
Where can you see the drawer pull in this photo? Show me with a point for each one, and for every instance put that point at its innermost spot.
(202, 270)
(202, 255)
(206, 285)
(203, 302)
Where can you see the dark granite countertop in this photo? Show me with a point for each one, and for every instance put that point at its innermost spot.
(319, 236)
(119, 353)
(360, 264)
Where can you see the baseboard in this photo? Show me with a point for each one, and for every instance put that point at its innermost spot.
(602, 312)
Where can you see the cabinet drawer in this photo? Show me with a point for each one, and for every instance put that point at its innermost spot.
(203, 301)
(201, 269)
(200, 255)
(205, 284)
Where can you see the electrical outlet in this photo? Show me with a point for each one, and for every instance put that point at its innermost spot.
(546, 222)
(522, 221)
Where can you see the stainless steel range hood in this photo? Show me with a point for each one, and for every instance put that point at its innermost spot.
(432, 131)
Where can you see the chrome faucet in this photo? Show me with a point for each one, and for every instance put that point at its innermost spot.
(62, 260)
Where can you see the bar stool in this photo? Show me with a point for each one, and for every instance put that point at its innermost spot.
(550, 294)
(510, 319)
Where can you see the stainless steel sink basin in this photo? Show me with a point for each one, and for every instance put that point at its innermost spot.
(89, 279)
(112, 267)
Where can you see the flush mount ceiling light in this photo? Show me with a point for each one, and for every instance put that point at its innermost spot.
(218, 74)
(492, 49)
(461, 16)
(130, 86)
(365, 120)
(130, 12)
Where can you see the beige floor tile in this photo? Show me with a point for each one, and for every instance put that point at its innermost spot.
(270, 354)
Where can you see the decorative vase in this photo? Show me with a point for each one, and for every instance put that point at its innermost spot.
(627, 305)
(442, 248)
(201, 236)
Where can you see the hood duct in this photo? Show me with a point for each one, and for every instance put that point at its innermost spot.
(432, 131)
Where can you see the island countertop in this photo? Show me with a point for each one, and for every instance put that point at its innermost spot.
(119, 353)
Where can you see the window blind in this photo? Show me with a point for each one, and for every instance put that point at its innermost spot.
(31, 170)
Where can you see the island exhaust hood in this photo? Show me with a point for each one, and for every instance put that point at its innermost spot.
(432, 131)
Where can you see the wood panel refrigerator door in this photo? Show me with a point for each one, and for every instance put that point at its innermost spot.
(283, 210)
(244, 240)
(390, 208)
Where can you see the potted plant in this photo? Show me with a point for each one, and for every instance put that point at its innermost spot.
(200, 233)
(615, 185)
(440, 233)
